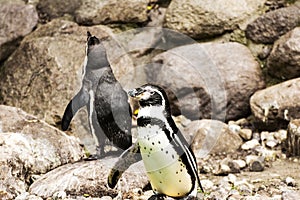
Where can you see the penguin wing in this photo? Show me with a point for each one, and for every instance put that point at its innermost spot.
(187, 151)
(128, 157)
(79, 100)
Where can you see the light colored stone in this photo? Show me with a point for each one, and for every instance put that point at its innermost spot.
(290, 181)
(246, 133)
(93, 12)
(271, 143)
(212, 136)
(241, 163)
(223, 169)
(30, 147)
(281, 135)
(232, 178)
(18, 20)
(251, 144)
(106, 198)
(202, 19)
(264, 135)
(90, 177)
(27, 196)
(234, 128)
(207, 184)
(275, 106)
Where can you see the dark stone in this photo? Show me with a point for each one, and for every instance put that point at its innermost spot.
(284, 60)
(270, 26)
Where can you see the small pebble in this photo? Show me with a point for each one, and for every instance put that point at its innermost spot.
(264, 135)
(242, 122)
(234, 128)
(232, 178)
(241, 163)
(234, 195)
(250, 144)
(271, 143)
(250, 158)
(269, 155)
(207, 184)
(224, 169)
(290, 181)
(255, 163)
(277, 197)
(290, 195)
(106, 198)
(246, 133)
(234, 167)
(281, 135)
(59, 195)
(256, 166)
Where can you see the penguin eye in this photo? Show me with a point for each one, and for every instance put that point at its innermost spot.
(152, 92)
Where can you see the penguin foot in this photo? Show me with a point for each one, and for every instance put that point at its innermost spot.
(93, 157)
(191, 198)
(157, 197)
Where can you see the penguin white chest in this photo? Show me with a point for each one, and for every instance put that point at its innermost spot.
(165, 169)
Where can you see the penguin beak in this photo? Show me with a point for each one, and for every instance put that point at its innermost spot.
(136, 93)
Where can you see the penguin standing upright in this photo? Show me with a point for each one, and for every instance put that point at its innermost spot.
(107, 103)
(169, 161)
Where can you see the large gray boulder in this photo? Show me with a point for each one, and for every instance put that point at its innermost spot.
(44, 73)
(202, 19)
(50, 9)
(275, 106)
(212, 137)
(210, 80)
(88, 177)
(270, 26)
(17, 20)
(30, 147)
(284, 59)
(111, 11)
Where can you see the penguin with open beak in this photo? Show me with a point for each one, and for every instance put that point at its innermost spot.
(107, 103)
(169, 161)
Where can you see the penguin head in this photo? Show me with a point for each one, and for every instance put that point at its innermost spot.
(92, 42)
(95, 52)
(150, 95)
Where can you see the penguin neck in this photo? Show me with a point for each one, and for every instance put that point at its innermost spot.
(150, 111)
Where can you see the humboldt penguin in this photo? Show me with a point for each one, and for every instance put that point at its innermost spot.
(169, 161)
(107, 103)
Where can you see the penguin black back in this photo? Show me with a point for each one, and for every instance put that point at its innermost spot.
(98, 94)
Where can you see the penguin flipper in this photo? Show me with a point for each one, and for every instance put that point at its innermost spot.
(186, 149)
(128, 157)
(79, 100)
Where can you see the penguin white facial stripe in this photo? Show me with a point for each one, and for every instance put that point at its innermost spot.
(157, 91)
(152, 111)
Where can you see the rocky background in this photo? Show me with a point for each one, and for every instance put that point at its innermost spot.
(241, 106)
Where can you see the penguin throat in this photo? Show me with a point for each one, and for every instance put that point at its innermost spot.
(152, 112)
